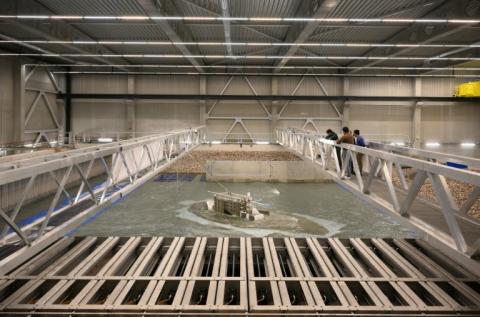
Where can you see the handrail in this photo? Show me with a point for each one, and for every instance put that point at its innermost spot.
(426, 154)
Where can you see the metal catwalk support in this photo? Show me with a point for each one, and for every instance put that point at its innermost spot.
(126, 165)
(42, 96)
(224, 276)
(381, 158)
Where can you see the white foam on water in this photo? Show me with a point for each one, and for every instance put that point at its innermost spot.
(332, 226)
(187, 202)
(184, 213)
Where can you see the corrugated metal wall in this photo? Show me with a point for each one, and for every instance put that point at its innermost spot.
(451, 124)
(388, 118)
(456, 122)
(91, 116)
(381, 86)
(7, 132)
(385, 120)
(160, 117)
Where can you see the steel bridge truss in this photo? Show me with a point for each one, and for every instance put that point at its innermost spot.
(382, 160)
(125, 164)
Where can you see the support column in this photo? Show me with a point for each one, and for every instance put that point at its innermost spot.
(274, 117)
(203, 106)
(346, 105)
(19, 101)
(417, 125)
(131, 107)
(417, 115)
(68, 103)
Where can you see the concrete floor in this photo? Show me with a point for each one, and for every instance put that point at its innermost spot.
(162, 208)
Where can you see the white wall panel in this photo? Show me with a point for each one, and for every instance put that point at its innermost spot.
(91, 116)
(440, 87)
(381, 86)
(309, 109)
(41, 118)
(238, 85)
(7, 101)
(371, 119)
(99, 84)
(320, 125)
(381, 120)
(451, 124)
(309, 86)
(160, 117)
(233, 108)
(167, 84)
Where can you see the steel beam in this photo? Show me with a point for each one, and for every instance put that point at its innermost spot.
(471, 100)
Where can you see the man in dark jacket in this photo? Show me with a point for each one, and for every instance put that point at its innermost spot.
(334, 137)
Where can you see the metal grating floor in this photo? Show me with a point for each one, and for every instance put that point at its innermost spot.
(244, 276)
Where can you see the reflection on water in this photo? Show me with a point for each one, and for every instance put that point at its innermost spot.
(162, 208)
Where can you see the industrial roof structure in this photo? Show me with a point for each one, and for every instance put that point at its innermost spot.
(211, 36)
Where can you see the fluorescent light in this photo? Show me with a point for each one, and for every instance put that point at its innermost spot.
(34, 17)
(308, 44)
(295, 57)
(467, 144)
(29, 145)
(67, 17)
(134, 18)
(216, 142)
(397, 143)
(200, 18)
(262, 142)
(432, 144)
(265, 19)
(100, 17)
(81, 42)
(105, 140)
(261, 19)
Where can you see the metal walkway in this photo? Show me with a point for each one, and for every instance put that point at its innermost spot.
(445, 224)
(245, 276)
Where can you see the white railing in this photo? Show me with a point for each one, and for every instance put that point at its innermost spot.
(381, 162)
(125, 165)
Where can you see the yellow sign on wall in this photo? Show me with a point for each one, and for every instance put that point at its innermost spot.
(470, 89)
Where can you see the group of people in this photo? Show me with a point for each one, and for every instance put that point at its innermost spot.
(349, 138)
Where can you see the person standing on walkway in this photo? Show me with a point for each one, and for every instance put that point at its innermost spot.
(360, 141)
(347, 138)
(334, 137)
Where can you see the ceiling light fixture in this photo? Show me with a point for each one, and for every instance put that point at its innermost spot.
(109, 42)
(255, 19)
(295, 57)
